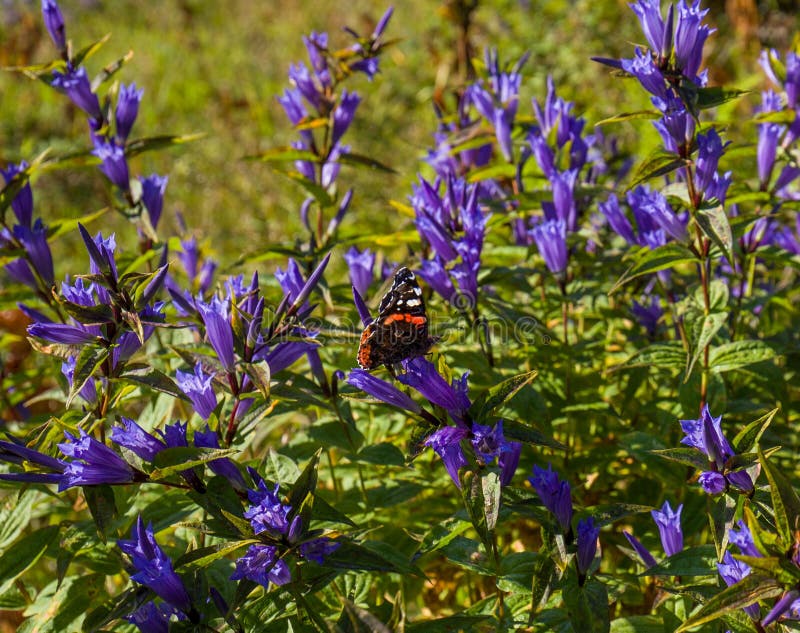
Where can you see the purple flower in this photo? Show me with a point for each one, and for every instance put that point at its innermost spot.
(705, 434)
(34, 241)
(153, 188)
(22, 204)
(343, 115)
(435, 274)
(587, 544)
(446, 441)
(198, 385)
(690, 36)
(88, 392)
(361, 307)
(653, 213)
(655, 31)
(262, 565)
(489, 443)
(137, 440)
(616, 219)
(361, 265)
(267, 513)
(223, 466)
(154, 567)
(710, 149)
(784, 604)
(93, 463)
(153, 618)
(551, 240)
(645, 70)
(75, 84)
(647, 558)
(676, 125)
(669, 527)
(127, 109)
(648, 313)
(316, 44)
(732, 571)
(62, 333)
(54, 23)
(555, 494)
(421, 374)
(382, 390)
(743, 539)
(712, 482)
(101, 253)
(318, 549)
(113, 162)
(216, 317)
(15, 452)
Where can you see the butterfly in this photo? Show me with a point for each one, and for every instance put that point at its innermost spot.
(401, 329)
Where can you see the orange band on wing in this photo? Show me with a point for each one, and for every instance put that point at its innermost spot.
(418, 320)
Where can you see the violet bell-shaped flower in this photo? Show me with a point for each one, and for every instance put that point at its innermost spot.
(93, 463)
(556, 495)
(668, 522)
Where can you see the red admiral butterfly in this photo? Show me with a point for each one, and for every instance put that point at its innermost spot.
(401, 329)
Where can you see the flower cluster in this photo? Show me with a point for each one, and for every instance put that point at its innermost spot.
(460, 445)
(705, 434)
(452, 221)
(556, 495)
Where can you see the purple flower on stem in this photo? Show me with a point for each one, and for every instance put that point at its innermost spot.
(75, 84)
(198, 386)
(22, 204)
(381, 390)
(690, 36)
(153, 618)
(127, 110)
(446, 441)
(113, 162)
(743, 539)
(710, 149)
(62, 333)
(318, 549)
(154, 567)
(551, 240)
(15, 452)
(669, 527)
(34, 241)
(587, 544)
(262, 565)
(267, 513)
(645, 70)
(343, 115)
(361, 265)
(617, 219)
(732, 571)
(54, 23)
(657, 33)
(676, 125)
(133, 437)
(153, 188)
(647, 558)
(421, 374)
(216, 317)
(555, 494)
(784, 604)
(435, 274)
(489, 443)
(93, 463)
(712, 482)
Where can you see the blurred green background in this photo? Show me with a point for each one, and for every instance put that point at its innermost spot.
(217, 67)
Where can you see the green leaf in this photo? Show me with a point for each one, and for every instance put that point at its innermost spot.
(86, 364)
(587, 605)
(159, 142)
(173, 460)
(717, 95)
(14, 516)
(260, 375)
(443, 534)
(750, 589)
(103, 507)
(748, 437)
(284, 154)
(109, 71)
(544, 571)
(313, 189)
(521, 432)
(86, 52)
(481, 494)
(384, 453)
(692, 561)
(651, 261)
(689, 456)
(24, 554)
(63, 227)
(663, 355)
(495, 397)
(88, 315)
(714, 223)
(306, 483)
(738, 354)
(491, 172)
(630, 116)
(351, 158)
(702, 331)
(204, 556)
(370, 556)
(638, 624)
(785, 502)
(659, 163)
(147, 376)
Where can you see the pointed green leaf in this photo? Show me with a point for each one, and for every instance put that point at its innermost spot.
(24, 554)
(651, 261)
(785, 502)
(738, 354)
(630, 116)
(748, 437)
(714, 223)
(659, 163)
(714, 96)
(173, 460)
(703, 330)
(260, 375)
(692, 561)
(147, 376)
(495, 397)
(663, 355)
(103, 507)
(159, 142)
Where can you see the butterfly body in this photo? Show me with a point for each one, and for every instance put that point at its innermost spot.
(401, 329)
